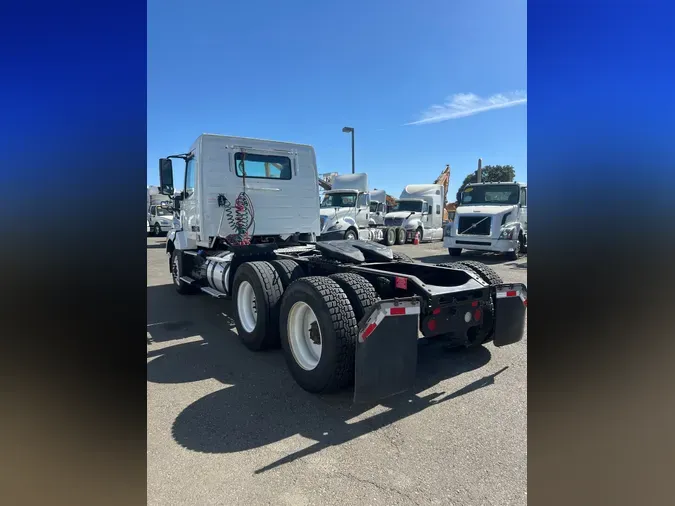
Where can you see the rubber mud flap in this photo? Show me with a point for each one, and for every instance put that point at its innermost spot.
(386, 360)
(509, 316)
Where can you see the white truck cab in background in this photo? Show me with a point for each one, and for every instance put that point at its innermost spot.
(490, 217)
(419, 210)
(345, 209)
(160, 214)
(378, 207)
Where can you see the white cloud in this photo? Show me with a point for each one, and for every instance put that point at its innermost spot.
(461, 105)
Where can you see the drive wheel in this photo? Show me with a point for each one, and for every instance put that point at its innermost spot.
(400, 235)
(318, 334)
(257, 290)
(176, 272)
(360, 292)
(389, 236)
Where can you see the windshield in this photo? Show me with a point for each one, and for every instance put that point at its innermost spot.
(373, 207)
(339, 200)
(163, 211)
(497, 194)
(408, 205)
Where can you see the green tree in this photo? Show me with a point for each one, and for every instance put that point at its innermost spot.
(489, 174)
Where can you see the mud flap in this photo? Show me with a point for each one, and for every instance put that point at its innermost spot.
(510, 308)
(386, 350)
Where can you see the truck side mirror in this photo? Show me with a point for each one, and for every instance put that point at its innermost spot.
(166, 176)
(176, 203)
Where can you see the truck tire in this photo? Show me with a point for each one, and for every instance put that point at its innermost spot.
(351, 234)
(318, 303)
(515, 254)
(523, 246)
(257, 291)
(400, 235)
(176, 272)
(455, 252)
(157, 229)
(402, 257)
(485, 272)
(389, 236)
(360, 292)
(288, 271)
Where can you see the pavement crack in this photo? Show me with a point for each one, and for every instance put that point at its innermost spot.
(379, 486)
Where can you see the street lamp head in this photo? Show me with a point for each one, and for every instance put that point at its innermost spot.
(347, 129)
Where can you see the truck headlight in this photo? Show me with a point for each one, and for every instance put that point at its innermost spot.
(507, 233)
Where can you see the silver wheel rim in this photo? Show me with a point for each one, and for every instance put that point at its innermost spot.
(302, 323)
(350, 235)
(246, 306)
(175, 272)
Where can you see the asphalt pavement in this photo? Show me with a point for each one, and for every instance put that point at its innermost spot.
(228, 426)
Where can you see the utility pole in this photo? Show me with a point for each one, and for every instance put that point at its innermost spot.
(478, 172)
(348, 130)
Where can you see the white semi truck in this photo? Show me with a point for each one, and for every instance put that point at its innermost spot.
(490, 217)
(419, 211)
(346, 213)
(159, 211)
(378, 207)
(343, 311)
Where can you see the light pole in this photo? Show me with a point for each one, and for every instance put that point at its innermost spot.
(350, 130)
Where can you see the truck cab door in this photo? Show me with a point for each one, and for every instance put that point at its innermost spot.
(362, 210)
(152, 212)
(189, 215)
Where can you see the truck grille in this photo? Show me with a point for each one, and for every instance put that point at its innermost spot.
(466, 222)
(393, 222)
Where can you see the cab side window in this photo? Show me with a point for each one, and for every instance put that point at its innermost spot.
(152, 210)
(438, 209)
(363, 200)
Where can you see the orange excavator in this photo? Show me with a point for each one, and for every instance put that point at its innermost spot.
(449, 208)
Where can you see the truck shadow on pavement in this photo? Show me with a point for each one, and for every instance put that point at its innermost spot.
(260, 403)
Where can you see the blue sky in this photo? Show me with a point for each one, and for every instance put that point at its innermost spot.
(299, 71)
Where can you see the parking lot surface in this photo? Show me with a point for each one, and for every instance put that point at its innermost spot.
(228, 426)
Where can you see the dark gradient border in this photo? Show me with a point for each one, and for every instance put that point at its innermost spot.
(601, 157)
(601, 121)
(73, 138)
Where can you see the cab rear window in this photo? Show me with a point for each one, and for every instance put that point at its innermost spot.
(262, 166)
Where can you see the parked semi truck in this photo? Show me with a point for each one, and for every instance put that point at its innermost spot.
(346, 213)
(342, 311)
(490, 217)
(419, 211)
(378, 207)
(159, 210)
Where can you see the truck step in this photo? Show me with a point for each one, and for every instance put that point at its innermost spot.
(187, 279)
(213, 293)
(189, 252)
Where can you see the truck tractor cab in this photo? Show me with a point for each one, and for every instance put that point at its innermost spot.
(419, 211)
(345, 209)
(378, 208)
(160, 218)
(491, 217)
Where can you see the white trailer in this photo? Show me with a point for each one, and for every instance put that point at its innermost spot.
(344, 312)
(159, 211)
(346, 213)
(419, 210)
(490, 217)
